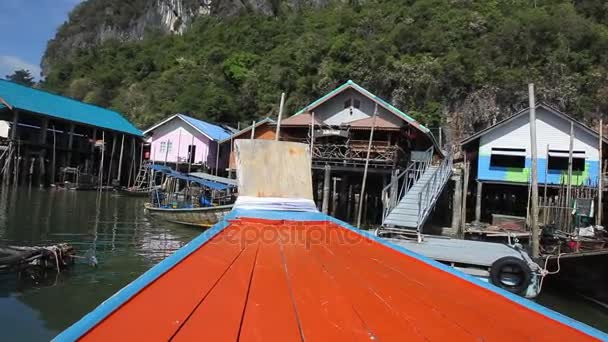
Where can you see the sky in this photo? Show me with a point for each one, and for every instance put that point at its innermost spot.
(25, 28)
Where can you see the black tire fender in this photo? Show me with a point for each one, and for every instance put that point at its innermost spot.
(510, 261)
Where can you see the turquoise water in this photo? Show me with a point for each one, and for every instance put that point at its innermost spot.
(116, 231)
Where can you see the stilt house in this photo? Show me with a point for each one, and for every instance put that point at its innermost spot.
(337, 127)
(50, 133)
(568, 154)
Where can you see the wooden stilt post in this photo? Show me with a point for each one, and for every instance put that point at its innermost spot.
(278, 131)
(534, 174)
(122, 147)
(132, 164)
(465, 192)
(110, 173)
(326, 186)
(217, 157)
(334, 197)
(312, 134)
(54, 159)
(191, 153)
(569, 203)
(369, 148)
(70, 143)
(43, 135)
(457, 202)
(92, 156)
(478, 201)
(103, 152)
(600, 203)
(230, 159)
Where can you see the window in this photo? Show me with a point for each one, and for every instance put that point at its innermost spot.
(558, 160)
(347, 103)
(165, 146)
(357, 104)
(508, 157)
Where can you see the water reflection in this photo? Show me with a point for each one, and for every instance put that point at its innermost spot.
(113, 229)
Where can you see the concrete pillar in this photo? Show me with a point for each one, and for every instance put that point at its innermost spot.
(457, 201)
(478, 202)
(326, 188)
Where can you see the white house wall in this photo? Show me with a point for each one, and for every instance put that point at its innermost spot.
(553, 132)
(332, 112)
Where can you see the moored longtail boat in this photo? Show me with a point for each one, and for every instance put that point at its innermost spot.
(275, 269)
(202, 217)
(204, 205)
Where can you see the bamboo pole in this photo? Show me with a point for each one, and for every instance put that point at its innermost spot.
(600, 187)
(253, 130)
(278, 131)
(569, 185)
(369, 148)
(312, 133)
(534, 175)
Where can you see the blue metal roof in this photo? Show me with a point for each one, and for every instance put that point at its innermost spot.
(45, 103)
(204, 182)
(214, 132)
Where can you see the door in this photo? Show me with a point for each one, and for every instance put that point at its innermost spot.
(191, 153)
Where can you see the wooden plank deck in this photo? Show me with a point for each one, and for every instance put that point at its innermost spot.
(315, 280)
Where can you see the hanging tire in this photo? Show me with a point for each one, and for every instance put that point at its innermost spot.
(511, 274)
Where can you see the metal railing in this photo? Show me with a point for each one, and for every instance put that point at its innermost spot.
(432, 189)
(400, 185)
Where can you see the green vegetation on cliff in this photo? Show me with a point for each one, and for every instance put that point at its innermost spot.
(460, 62)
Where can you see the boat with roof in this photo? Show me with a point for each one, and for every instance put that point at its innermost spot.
(195, 199)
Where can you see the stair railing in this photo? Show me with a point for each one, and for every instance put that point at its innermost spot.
(432, 189)
(405, 180)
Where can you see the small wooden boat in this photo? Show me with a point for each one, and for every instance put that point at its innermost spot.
(133, 192)
(201, 217)
(265, 273)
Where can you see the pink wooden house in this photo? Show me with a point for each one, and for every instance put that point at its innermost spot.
(186, 140)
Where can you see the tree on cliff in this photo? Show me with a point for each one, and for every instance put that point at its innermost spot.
(22, 76)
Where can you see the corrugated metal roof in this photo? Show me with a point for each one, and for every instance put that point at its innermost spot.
(266, 120)
(45, 103)
(367, 123)
(213, 131)
(303, 119)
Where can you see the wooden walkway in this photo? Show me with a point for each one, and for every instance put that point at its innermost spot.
(281, 280)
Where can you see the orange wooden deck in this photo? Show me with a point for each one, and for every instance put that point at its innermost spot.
(289, 281)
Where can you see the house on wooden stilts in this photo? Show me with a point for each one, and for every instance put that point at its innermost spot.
(403, 157)
(500, 160)
(52, 135)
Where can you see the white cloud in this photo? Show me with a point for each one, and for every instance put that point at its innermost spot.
(8, 64)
